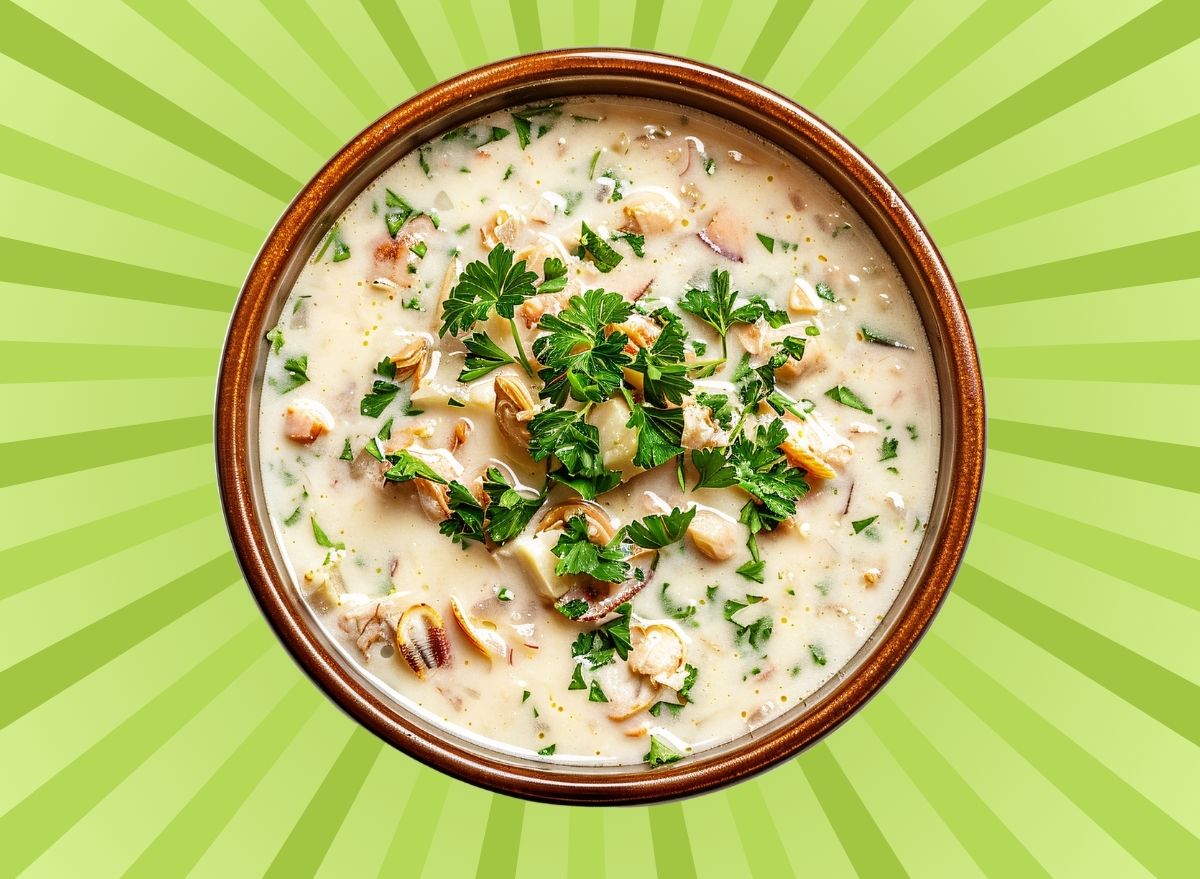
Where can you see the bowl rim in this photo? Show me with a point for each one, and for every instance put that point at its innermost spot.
(563, 72)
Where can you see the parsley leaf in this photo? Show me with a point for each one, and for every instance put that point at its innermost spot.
(720, 407)
(548, 750)
(297, 370)
(655, 532)
(847, 397)
(603, 256)
(887, 449)
(766, 241)
(508, 510)
(869, 335)
(714, 470)
(347, 453)
(580, 359)
(763, 472)
(660, 753)
(406, 466)
(465, 522)
(595, 694)
(523, 121)
(756, 633)
(382, 394)
(572, 610)
(818, 653)
(275, 337)
(662, 365)
(564, 434)
(554, 274)
(681, 612)
(578, 555)
(717, 306)
(322, 538)
(483, 356)
(659, 433)
(636, 242)
(825, 292)
(498, 284)
(861, 525)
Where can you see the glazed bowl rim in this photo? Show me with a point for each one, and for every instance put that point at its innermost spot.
(560, 73)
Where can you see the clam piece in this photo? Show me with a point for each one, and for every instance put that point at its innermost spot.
(503, 228)
(699, 429)
(815, 447)
(461, 433)
(660, 655)
(305, 421)
(324, 587)
(650, 216)
(723, 235)
(601, 526)
(480, 633)
(627, 692)
(803, 298)
(421, 639)
(369, 622)
(514, 409)
(413, 358)
(641, 331)
(536, 307)
(714, 535)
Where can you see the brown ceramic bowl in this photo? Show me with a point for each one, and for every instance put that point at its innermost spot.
(557, 74)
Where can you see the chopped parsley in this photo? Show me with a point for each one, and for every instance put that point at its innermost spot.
(322, 538)
(861, 525)
(818, 653)
(847, 397)
(869, 335)
(637, 243)
(554, 276)
(275, 337)
(523, 121)
(825, 292)
(347, 453)
(601, 253)
(887, 449)
(660, 753)
(405, 466)
(581, 360)
(655, 532)
(381, 395)
(506, 594)
(297, 374)
(548, 750)
(293, 518)
(578, 555)
(483, 355)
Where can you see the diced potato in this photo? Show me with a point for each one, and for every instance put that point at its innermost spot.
(648, 217)
(533, 552)
(803, 298)
(618, 441)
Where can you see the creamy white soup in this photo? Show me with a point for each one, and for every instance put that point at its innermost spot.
(599, 431)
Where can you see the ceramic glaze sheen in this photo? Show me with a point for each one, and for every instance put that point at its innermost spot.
(704, 196)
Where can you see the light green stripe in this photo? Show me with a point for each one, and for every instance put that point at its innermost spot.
(1159, 463)
(646, 17)
(710, 21)
(45, 814)
(306, 845)
(986, 26)
(393, 27)
(29, 460)
(779, 27)
(501, 839)
(37, 362)
(414, 830)
(1134, 362)
(32, 42)
(526, 24)
(1162, 29)
(757, 831)
(839, 58)
(1137, 824)
(38, 265)
(48, 672)
(672, 851)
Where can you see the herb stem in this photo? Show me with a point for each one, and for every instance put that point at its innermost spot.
(520, 348)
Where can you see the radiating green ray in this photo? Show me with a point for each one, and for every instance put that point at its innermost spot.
(38, 362)
(45, 814)
(29, 564)
(311, 34)
(1039, 814)
(713, 854)
(466, 31)
(44, 164)
(1148, 412)
(1093, 599)
(758, 831)
(918, 835)
(875, 17)
(986, 26)
(181, 842)
(1165, 27)
(29, 460)
(1151, 156)
(212, 48)
(1147, 262)
(1161, 693)
(1167, 363)
(993, 846)
(866, 847)
(1135, 822)
(250, 839)
(361, 843)
(306, 845)
(23, 262)
(789, 795)
(630, 850)
(526, 24)
(1169, 574)
(587, 22)
(646, 17)
(501, 839)
(51, 670)
(414, 828)
(451, 852)
(127, 575)
(710, 21)
(125, 820)
(32, 42)
(585, 837)
(672, 851)
(1168, 464)
(783, 21)
(546, 840)
(396, 33)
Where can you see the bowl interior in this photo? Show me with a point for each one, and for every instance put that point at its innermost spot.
(538, 78)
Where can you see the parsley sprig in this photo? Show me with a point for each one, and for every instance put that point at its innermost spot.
(580, 358)
(717, 306)
(498, 285)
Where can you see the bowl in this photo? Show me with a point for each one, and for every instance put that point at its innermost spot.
(533, 78)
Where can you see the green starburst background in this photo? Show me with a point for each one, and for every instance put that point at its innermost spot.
(149, 722)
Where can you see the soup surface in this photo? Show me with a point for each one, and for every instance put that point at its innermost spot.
(601, 431)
